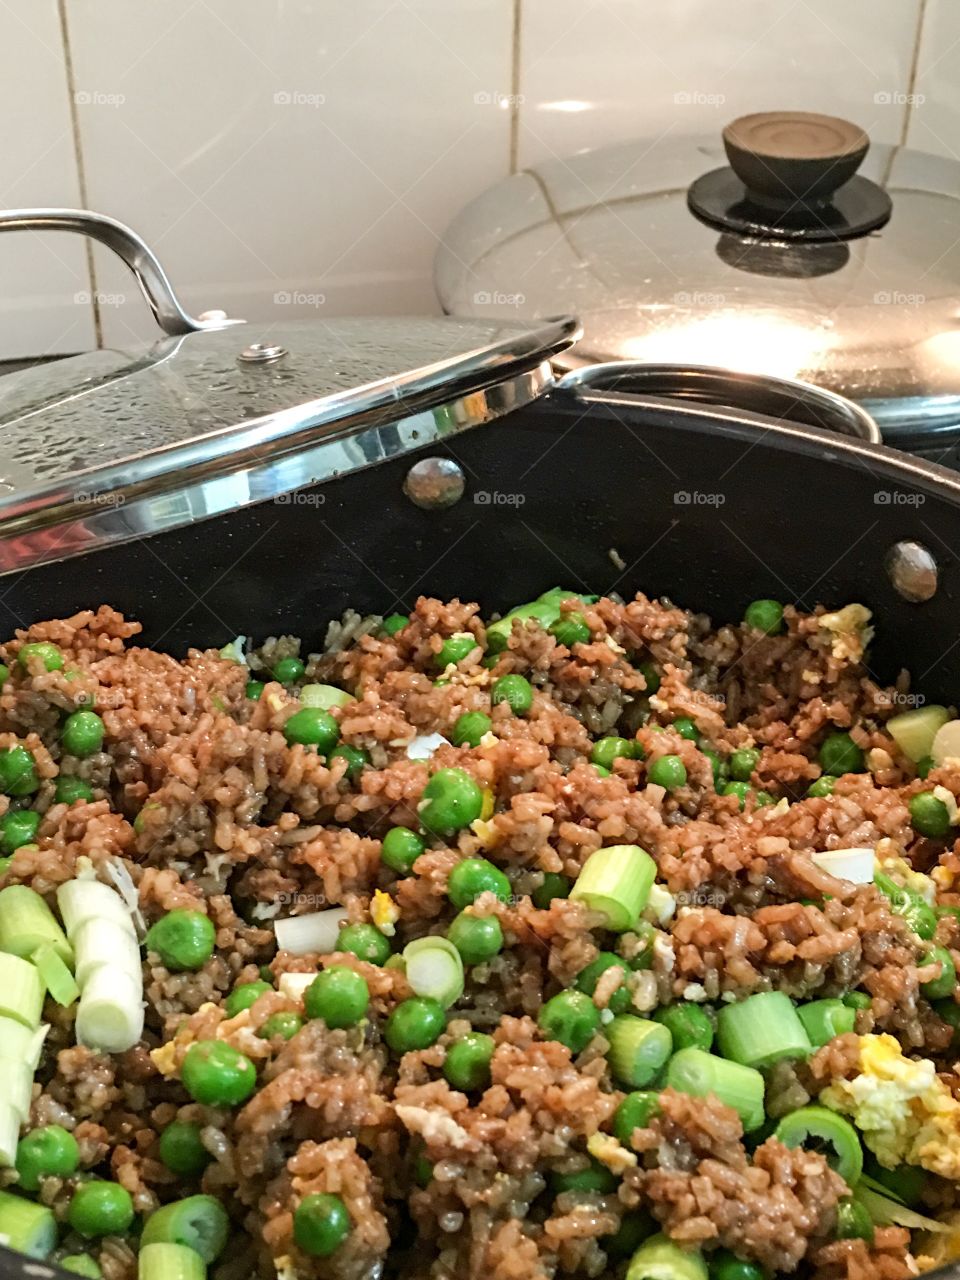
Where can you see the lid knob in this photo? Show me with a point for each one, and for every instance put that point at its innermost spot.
(794, 157)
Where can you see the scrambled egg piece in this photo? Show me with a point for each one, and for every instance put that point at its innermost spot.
(906, 1114)
(901, 871)
(608, 1151)
(489, 804)
(850, 632)
(384, 913)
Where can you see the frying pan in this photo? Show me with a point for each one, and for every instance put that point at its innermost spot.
(590, 485)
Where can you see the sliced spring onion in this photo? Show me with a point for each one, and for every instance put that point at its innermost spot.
(914, 731)
(110, 1013)
(198, 1222)
(818, 1129)
(82, 900)
(19, 1042)
(16, 1086)
(761, 1030)
(169, 1262)
(26, 922)
(659, 1258)
(314, 934)
(25, 1226)
(57, 978)
(21, 991)
(616, 882)
(638, 1049)
(98, 942)
(905, 1183)
(946, 744)
(824, 1019)
(293, 985)
(424, 745)
(10, 1122)
(434, 968)
(854, 865)
(887, 1212)
(699, 1073)
(324, 696)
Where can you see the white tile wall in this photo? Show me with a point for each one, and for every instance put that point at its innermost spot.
(303, 155)
(44, 298)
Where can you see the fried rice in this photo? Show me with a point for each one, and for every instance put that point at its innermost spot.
(200, 799)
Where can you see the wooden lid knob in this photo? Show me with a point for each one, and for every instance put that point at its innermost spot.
(794, 156)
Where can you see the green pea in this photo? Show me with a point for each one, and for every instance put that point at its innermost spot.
(686, 728)
(4, 674)
(393, 623)
(765, 615)
(18, 775)
(930, 816)
(633, 1230)
(365, 941)
(742, 763)
(82, 734)
(467, 1064)
(741, 789)
(181, 1149)
(839, 754)
(688, 1025)
(355, 757)
(634, 1112)
(217, 1075)
(17, 828)
(70, 789)
(514, 690)
(455, 648)
(49, 654)
(606, 750)
(765, 798)
(924, 766)
(949, 1011)
(668, 772)
(321, 1224)
(588, 978)
(312, 727)
(253, 689)
(244, 996)
(570, 1017)
(422, 1171)
(414, 1024)
(51, 1151)
(338, 995)
(647, 936)
(286, 1023)
(945, 985)
(595, 1177)
(451, 801)
(725, 1265)
(470, 728)
(553, 886)
(856, 1000)
(717, 764)
(853, 1221)
(288, 670)
(184, 940)
(477, 938)
(474, 876)
(100, 1209)
(650, 675)
(571, 629)
(822, 786)
(400, 849)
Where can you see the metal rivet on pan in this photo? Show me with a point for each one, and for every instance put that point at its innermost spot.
(435, 483)
(913, 571)
(262, 353)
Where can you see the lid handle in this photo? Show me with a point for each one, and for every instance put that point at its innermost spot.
(794, 157)
(124, 242)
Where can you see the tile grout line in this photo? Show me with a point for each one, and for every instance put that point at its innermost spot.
(914, 72)
(81, 171)
(515, 37)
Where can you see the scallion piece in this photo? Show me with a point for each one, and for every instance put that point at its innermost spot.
(434, 968)
(698, 1073)
(82, 900)
(98, 942)
(25, 1226)
(659, 1258)
(20, 1042)
(57, 978)
(824, 1019)
(886, 1212)
(638, 1049)
(818, 1129)
(169, 1262)
(761, 1030)
(313, 934)
(853, 865)
(293, 985)
(110, 1013)
(324, 696)
(914, 731)
(616, 882)
(10, 1122)
(26, 923)
(16, 1086)
(21, 991)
